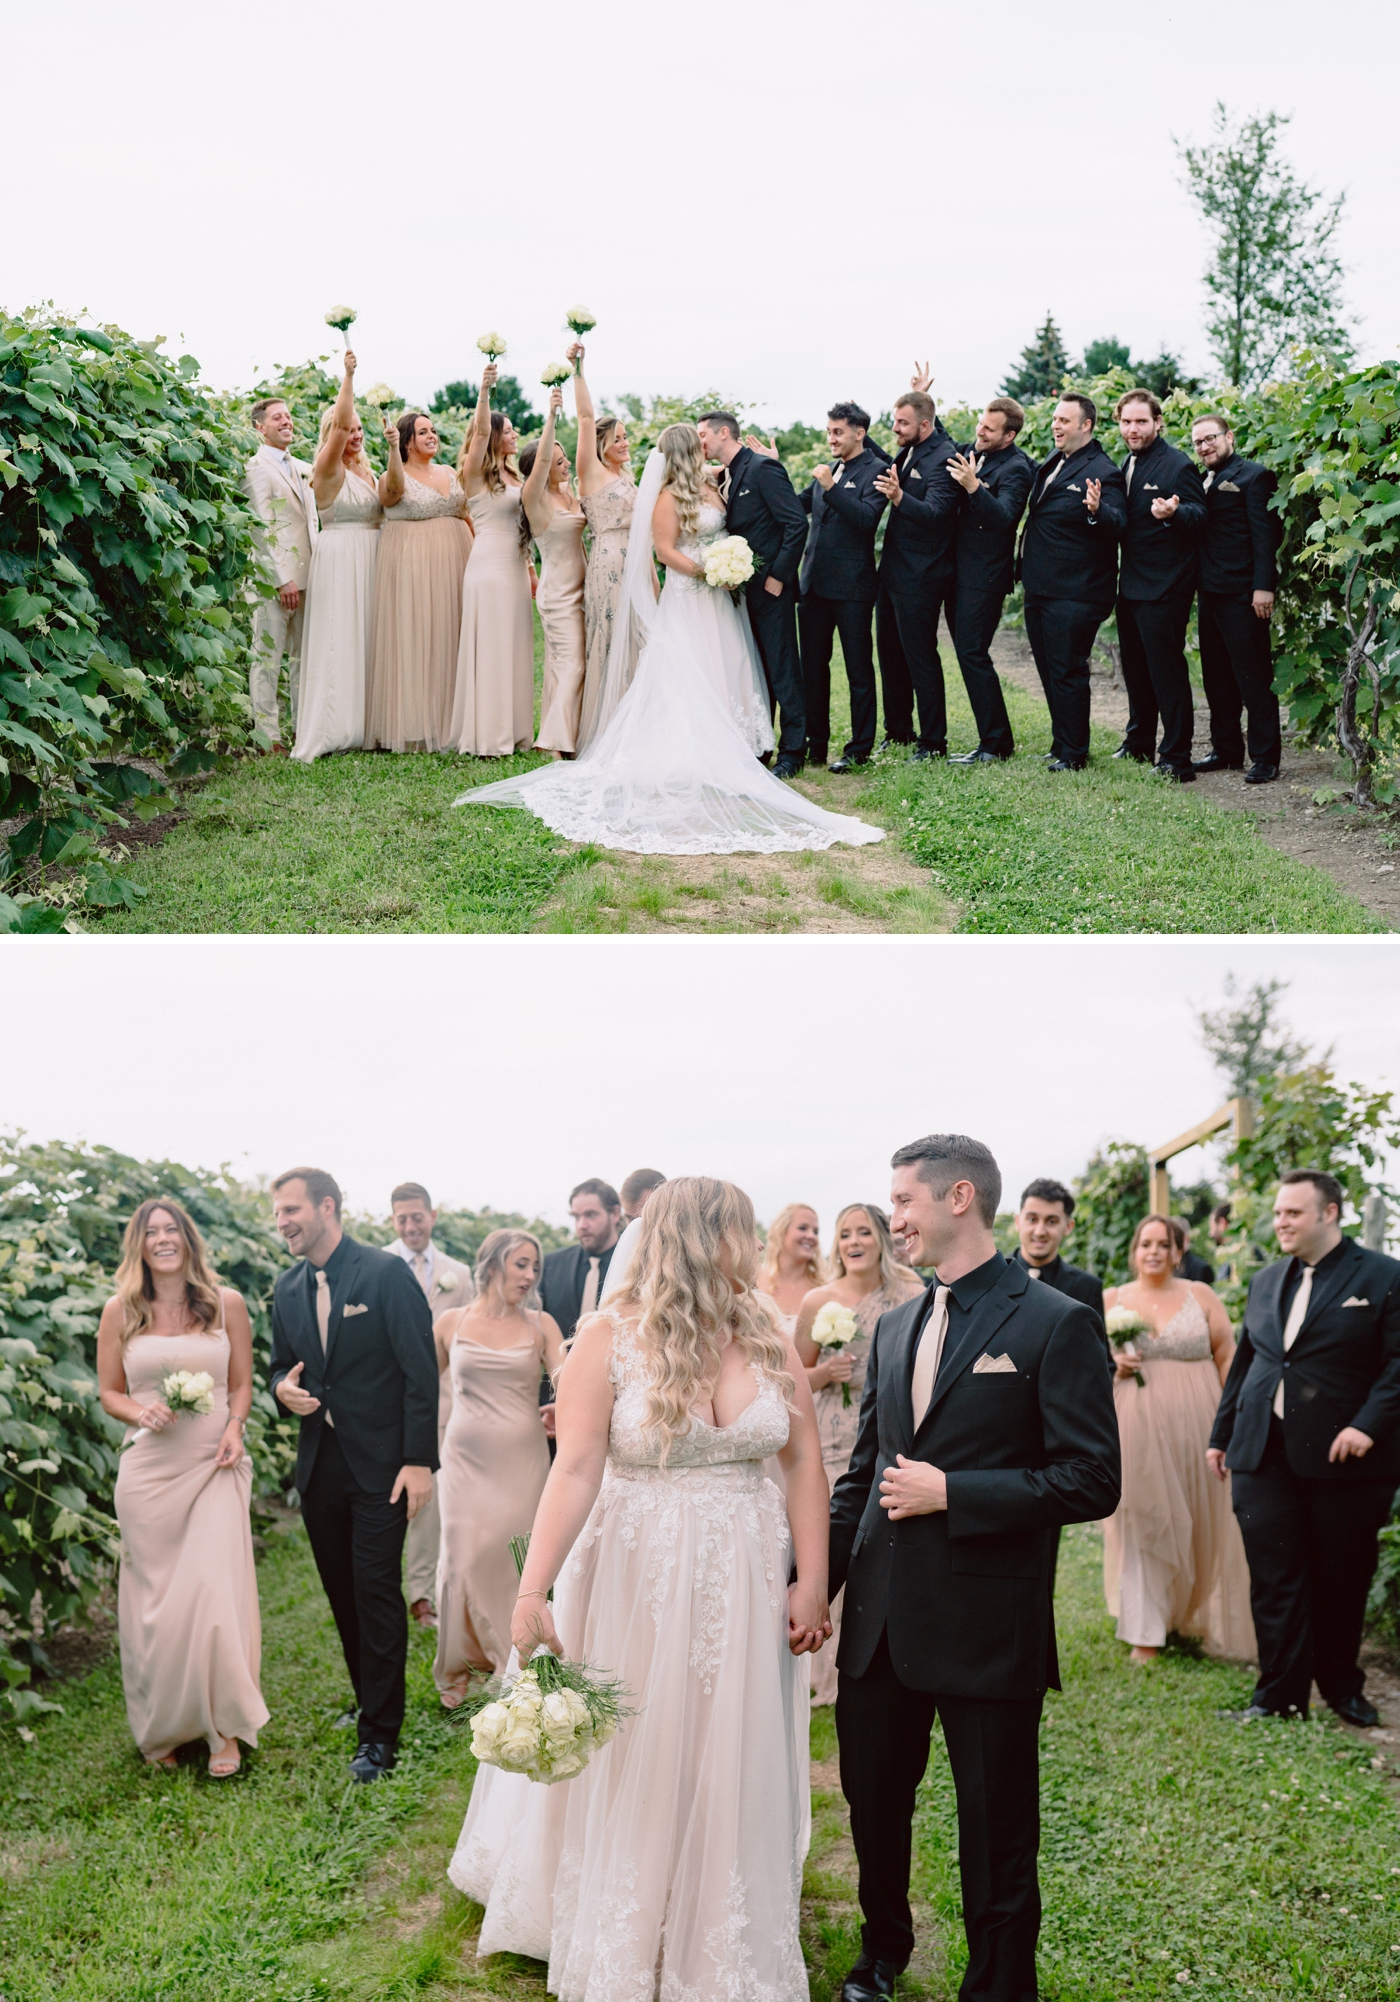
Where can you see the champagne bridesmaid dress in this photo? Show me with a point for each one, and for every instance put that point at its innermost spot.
(560, 605)
(495, 1461)
(339, 623)
(493, 708)
(423, 550)
(609, 513)
(187, 1598)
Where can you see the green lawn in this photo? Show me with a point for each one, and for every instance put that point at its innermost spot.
(1261, 1862)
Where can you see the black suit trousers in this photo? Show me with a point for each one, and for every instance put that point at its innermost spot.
(994, 1752)
(976, 616)
(1312, 1552)
(906, 632)
(1152, 643)
(819, 620)
(1061, 635)
(774, 622)
(1237, 673)
(357, 1541)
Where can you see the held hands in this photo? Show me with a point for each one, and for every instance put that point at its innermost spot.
(417, 1484)
(531, 1624)
(1349, 1444)
(809, 1619)
(1093, 494)
(288, 597)
(155, 1417)
(230, 1446)
(913, 1488)
(1165, 506)
(290, 1393)
(887, 483)
(964, 468)
(1263, 604)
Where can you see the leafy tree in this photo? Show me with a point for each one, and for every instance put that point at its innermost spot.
(1164, 375)
(1249, 1043)
(1101, 356)
(1111, 1199)
(507, 397)
(1274, 279)
(1043, 366)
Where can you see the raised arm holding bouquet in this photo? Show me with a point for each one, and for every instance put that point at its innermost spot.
(552, 514)
(606, 492)
(493, 706)
(340, 596)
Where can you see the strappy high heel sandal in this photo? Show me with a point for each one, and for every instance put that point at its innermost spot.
(226, 1763)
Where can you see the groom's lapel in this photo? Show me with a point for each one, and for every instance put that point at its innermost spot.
(343, 1290)
(997, 1304)
(902, 1368)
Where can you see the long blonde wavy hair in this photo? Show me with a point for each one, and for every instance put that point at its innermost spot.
(777, 1231)
(134, 1286)
(491, 1262)
(362, 465)
(697, 1235)
(679, 445)
(892, 1266)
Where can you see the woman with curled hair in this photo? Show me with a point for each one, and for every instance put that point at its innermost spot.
(423, 549)
(494, 1455)
(603, 464)
(668, 1553)
(187, 1597)
(869, 1278)
(551, 514)
(339, 618)
(792, 1262)
(493, 703)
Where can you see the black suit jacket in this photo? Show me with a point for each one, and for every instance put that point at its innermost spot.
(921, 533)
(1066, 552)
(839, 560)
(1159, 557)
(378, 1378)
(1071, 1280)
(1343, 1369)
(988, 519)
(966, 1594)
(763, 508)
(1239, 546)
(1192, 1267)
(562, 1282)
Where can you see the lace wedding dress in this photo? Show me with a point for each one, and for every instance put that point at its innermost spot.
(670, 1869)
(675, 770)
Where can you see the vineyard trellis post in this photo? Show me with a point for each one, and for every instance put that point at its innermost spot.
(1237, 1114)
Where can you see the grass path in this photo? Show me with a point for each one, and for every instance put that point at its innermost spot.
(1259, 1862)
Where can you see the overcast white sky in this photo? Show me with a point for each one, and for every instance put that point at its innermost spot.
(786, 200)
(505, 1070)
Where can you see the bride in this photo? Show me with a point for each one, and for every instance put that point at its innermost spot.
(671, 1866)
(675, 770)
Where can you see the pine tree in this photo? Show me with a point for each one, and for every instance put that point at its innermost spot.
(1043, 365)
(1101, 356)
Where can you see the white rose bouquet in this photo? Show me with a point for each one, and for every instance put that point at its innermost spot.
(493, 346)
(1124, 1325)
(579, 321)
(729, 564)
(836, 1327)
(548, 1721)
(554, 373)
(342, 318)
(189, 1390)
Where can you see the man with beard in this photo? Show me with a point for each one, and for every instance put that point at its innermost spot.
(917, 574)
(996, 476)
(838, 583)
(1166, 513)
(1235, 603)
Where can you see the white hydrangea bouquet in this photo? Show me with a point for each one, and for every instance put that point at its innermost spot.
(493, 346)
(547, 1721)
(836, 1327)
(729, 564)
(189, 1390)
(1124, 1326)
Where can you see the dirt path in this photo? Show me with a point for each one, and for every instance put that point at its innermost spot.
(1351, 852)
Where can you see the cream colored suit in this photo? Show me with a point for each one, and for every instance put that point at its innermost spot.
(286, 507)
(452, 1286)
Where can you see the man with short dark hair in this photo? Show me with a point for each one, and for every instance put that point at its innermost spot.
(761, 506)
(1190, 1266)
(279, 488)
(572, 1280)
(641, 1183)
(1235, 604)
(838, 583)
(996, 476)
(986, 1423)
(1156, 582)
(917, 574)
(1043, 1222)
(1068, 565)
(1308, 1429)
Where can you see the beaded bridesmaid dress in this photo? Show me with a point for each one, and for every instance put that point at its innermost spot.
(559, 603)
(609, 513)
(423, 550)
(493, 706)
(339, 624)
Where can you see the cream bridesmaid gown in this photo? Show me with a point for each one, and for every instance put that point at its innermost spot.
(560, 606)
(187, 1597)
(493, 705)
(339, 624)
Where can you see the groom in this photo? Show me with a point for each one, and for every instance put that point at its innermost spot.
(987, 1422)
(762, 507)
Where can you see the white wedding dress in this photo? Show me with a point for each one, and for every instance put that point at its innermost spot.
(675, 771)
(670, 1869)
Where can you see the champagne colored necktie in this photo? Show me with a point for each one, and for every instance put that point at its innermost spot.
(590, 1288)
(1297, 1314)
(420, 1270)
(929, 1354)
(323, 1309)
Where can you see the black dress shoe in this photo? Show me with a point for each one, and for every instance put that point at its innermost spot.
(923, 757)
(1138, 757)
(816, 755)
(1255, 1713)
(980, 757)
(895, 743)
(1215, 763)
(372, 1761)
(786, 767)
(1260, 775)
(1175, 775)
(1067, 765)
(870, 1980)
(846, 763)
(1356, 1710)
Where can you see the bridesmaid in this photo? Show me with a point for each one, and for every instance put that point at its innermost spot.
(607, 491)
(187, 1600)
(556, 520)
(870, 1278)
(493, 707)
(792, 1262)
(423, 550)
(340, 593)
(495, 1457)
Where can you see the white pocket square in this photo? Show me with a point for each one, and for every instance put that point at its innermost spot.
(914, 473)
(1354, 1302)
(346, 1312)
(986, 1365)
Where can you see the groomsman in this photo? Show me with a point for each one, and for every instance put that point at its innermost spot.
(917, 575)
(762, 507)
(641, 1183)
(996, 476)
(1043, 1222)
(1068, 566)
(1166, 513)
(986, 1423)
(572, 1280)
(838, 583)
(445, 1283)
(1235, 603)
(1189, 1265)
(279, 487)
(1309, 1430)
(353, 1359)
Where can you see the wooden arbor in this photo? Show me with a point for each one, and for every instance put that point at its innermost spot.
(1238, 1115)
